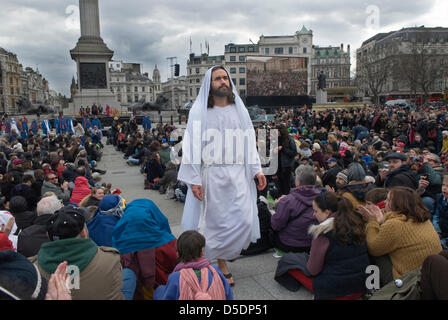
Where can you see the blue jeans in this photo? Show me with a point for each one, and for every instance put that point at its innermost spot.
(129, 283)
(133, 161)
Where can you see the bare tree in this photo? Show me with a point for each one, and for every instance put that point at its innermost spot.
(374, 71)
(421, 65)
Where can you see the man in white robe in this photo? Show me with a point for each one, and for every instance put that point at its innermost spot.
(221, 197)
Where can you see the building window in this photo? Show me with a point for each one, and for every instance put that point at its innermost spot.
(241, 49)
(191, 92)
(198, 80)
(304, 50)
(197, 91)
(242, 70)
(242, 58)
(197, 70)
(143, 89)
(266, 51)
(232, 49)
(232, 70)
(128, 89)
(136, 98)
(290, 50)
(242, 81)
(250, 49)
(232, 58)
(242, 92)
(278, 50)
(129, 99)
(234, 81)
(119, 97)
(135, 89)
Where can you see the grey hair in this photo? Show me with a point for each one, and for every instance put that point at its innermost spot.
(355, 172)
(306, 175)
(436, 157)
(48, 205)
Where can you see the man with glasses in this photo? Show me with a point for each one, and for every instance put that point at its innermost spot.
(51, 184)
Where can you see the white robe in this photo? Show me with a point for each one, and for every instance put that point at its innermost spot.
(228, 216)
(229, 211)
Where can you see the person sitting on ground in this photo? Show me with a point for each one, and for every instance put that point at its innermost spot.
(434, 282)
(194, 278)
(106, 216)
(357, 186)
(31, 238)
(400, 240)
(440, 217)
(154, 171)
(294, 213)
(94, 198)
(51, 185)
(25, 190)
(147, 246)
(100, 273)
(81, 190)
(335, 268)
(398, 174)
(23, 217)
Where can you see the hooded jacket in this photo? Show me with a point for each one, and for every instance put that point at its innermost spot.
(47, 186)
(81, 190)
(295, 233)
(99, 267)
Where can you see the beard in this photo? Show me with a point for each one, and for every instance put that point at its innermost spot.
(223, 91)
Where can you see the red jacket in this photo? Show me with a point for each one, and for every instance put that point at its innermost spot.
(81, 190)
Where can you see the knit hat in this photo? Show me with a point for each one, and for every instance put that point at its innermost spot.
(316, 147)
(67, 222)
(343, 175)
(112, 204)
(19, 278)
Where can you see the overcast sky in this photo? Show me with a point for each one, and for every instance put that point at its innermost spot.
(41, 32)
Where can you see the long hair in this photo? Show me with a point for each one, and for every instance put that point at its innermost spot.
(407, 201)
(211, 100)
(348, 225)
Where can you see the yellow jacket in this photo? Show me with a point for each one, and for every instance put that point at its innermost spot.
(406, 242)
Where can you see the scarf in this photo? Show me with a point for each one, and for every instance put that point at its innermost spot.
(195, 264)
(111, 205)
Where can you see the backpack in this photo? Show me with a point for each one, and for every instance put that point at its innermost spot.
(410, 288)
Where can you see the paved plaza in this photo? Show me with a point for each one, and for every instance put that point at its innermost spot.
(253, 275)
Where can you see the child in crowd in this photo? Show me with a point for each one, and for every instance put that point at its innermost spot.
(194, 278)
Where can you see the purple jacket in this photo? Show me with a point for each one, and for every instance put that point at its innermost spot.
(295, 234)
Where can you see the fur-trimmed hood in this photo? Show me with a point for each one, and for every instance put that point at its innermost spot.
(322, 228)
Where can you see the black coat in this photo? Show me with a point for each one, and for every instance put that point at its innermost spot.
(402, 177)
(329, 177)
(33, 237)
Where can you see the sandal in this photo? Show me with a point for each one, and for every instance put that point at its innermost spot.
(229, 277)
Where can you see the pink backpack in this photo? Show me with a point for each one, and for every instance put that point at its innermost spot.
(191, 289)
